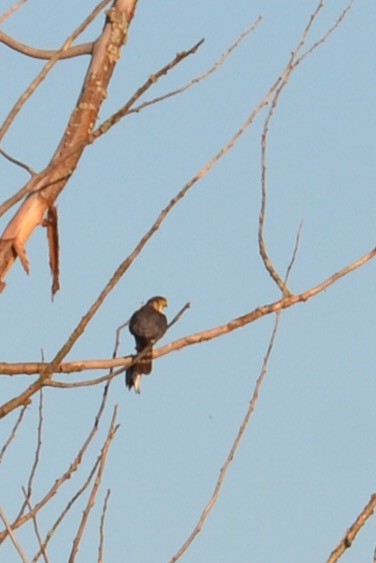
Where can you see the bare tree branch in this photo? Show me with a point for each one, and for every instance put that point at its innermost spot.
(280, 86)
(6, 155)
(203, 336)
(106, 54)
(42, 551)
(353, 531)
(46, 69)
(75, 51)
(67, 508)
(116, 117)
(12, 536)
(11, 10)
(103, 459)
(200, 77)
(38, 182)
(13, 433)
(38, 449)
(73, 467)
(101, 527)
(252, 404)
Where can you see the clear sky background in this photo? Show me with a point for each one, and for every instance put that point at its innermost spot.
(307, 464)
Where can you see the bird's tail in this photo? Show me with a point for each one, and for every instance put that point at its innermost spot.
(133, 379)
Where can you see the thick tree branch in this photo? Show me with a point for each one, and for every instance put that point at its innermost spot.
(105, 56)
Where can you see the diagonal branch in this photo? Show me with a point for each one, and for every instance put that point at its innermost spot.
(92, 498)
(13, 433)
(12, 536)
(105, 56)
(11, 10)
(200, 77)
(353, 531)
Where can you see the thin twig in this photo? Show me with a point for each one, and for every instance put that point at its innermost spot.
(36, 457)
(101, 527)
(42, 551)
(92, 498)
(326, 35)
(178, 315)
(26, 167)
(117, 116)
(13, 432)
(67, 508)
(233, 450)
(197, 79)
(282, 82)
(11, 10)
(247, 417)
(353, 531)
(75, 51)
(12, 536)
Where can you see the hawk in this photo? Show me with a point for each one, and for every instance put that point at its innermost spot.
(147, 325)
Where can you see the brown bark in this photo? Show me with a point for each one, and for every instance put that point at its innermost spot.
(30, 215)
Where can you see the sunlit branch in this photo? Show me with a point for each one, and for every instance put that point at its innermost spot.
(353, 531)
(11, 10)
(75, 51)
(46, 69)
(127, 109)
(197, 79)
(39, 182)
(285, 302)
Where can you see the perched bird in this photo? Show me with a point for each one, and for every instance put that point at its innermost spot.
(147, 325)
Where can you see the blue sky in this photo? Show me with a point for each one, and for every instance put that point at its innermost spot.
(306, 466)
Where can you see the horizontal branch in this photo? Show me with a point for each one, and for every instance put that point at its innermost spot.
(34, 368)
(75, 51)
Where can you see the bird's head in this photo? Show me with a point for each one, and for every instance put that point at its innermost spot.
(158, 303)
